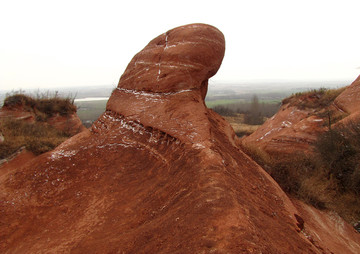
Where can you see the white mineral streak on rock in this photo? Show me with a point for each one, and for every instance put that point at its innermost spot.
(151, 94)
(317, 120)
(198, 146)
(286, 124)
(171, 46)
(135, 74)
(159, 71)
(168, 65)
(294, 111)
(111, 145)
(62, 153)
(166, 41)
(268, 133)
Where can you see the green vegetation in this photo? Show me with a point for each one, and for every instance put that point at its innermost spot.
(254, 111)
(221, 102)
(89, 111)
(328, 178)
(224, 111)
(339, 152)
(36, 137)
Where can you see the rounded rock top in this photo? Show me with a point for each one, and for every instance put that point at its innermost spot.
(183, 58)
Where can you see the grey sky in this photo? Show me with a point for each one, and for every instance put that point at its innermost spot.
(47, 44)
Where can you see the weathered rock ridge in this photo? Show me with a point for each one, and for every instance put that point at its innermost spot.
(294, 128)
(168, 80)
(158, 173)
(349, 100)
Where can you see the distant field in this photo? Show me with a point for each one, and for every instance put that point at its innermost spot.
(217, 102)
(89, 111)
(232, 96)
(213, 103)
(240, 128)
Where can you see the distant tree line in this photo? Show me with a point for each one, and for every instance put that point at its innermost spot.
(255, 112)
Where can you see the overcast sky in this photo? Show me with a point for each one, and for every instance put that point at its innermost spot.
(47, 44)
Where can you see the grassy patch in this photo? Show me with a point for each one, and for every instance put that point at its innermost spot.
(240, 128)
(315, 98)
(44, 106)
(213, 103)
(36, 137)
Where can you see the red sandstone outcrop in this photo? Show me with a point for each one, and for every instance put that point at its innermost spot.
(18, 159)
(157, 173)
(295, 127)
(290, 130)
(70, 124)
(349, 100)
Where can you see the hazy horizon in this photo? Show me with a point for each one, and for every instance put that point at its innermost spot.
(212, 84)
(47, 44)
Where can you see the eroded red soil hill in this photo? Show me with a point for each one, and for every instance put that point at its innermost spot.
(297, 124)
(69, 123)
(157, 173)
(349, 100)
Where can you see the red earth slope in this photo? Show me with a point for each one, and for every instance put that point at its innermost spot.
(157, 173)
(295, 127)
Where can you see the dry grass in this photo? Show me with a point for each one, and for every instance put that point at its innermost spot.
(36, 137)
(316, 98)
(44, 106)
(325, 193)
(308, 178)
(240, 128)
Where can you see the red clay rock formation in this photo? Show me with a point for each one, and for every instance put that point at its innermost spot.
(168, 79)
(327, 224)
(290, 130)
(16, 160)
(17, 113)
(349, 100)
(158, 173)
(295, 127)
(70, 124)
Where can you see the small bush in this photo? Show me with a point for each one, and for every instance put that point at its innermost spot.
(19, 100)
(287, 171)
(339, 151)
